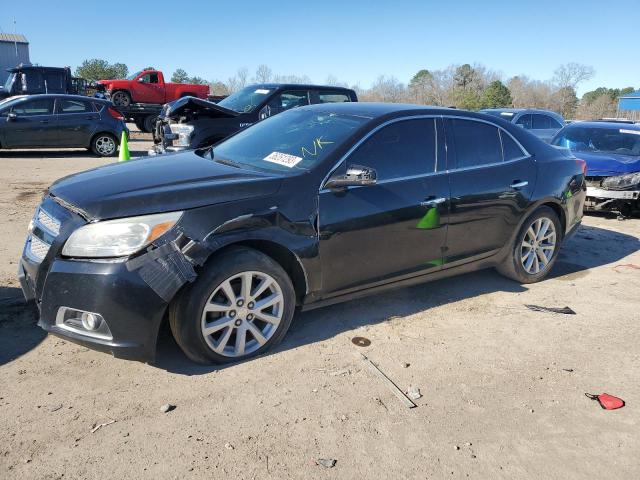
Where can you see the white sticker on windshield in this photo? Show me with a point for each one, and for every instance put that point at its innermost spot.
(632, 132)
(283, 159)
(262, 91)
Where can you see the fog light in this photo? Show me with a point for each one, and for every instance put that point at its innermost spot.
(83, 322)
(90, 321)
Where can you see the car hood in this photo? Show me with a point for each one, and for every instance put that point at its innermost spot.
(192, 104)
(159, 184)
(607, 165)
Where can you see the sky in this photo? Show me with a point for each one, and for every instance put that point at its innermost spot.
(355, 41)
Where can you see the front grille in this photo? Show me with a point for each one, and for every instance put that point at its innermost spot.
(43, 230)
(48, 222)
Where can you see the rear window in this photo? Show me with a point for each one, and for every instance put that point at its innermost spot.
(333, 97)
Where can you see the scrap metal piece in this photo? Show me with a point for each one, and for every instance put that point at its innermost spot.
(407, 402)
(361, 341)
(538, 308)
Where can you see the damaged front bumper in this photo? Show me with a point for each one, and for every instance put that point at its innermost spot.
(599, 198)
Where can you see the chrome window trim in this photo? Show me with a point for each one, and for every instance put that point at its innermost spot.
(369, 134)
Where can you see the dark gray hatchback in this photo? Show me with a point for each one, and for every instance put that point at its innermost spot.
(61, 121)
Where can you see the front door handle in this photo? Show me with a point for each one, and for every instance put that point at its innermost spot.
(432, 202)
(44, 121)
(517, 184)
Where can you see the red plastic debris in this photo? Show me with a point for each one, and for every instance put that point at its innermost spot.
(606, 401)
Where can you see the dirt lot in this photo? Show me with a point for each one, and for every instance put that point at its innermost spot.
(503, 387)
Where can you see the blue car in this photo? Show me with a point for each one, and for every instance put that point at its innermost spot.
(544, 124)
(611, 151)
(61, 121)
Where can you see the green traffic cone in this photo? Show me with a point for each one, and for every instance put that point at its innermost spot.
(124, 148)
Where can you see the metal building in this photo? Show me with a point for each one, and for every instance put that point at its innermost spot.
(14, 49)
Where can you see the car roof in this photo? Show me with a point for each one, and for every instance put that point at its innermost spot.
(604, 125)
(374, 110)
(520, 110)
(63, 95)
(298, 86)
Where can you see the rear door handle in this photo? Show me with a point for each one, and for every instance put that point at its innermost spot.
(432, 202)
(519, 184)
(44, 121)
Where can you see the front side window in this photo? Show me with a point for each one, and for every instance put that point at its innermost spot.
(33, 82)
(34, 107)
(55, 82)
(402, 149)
(73, 106)
(295, 141)
(620, 141)
(149, 78)
(475, 143)
(247, 99)
(524, 121)
(333, 97)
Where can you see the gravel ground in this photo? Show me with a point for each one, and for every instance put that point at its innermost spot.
(502, 386)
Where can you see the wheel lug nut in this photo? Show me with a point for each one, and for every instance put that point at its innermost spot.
(250, 316)
(238, 322)
(240, 303)
(232, 313)
(251, 305)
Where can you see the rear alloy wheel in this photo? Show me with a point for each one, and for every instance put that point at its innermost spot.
(535, 248)
(121, 98)
(240, 306)
(104, 145)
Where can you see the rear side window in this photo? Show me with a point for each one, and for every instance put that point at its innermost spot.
(510, 148)
(333, 97)
(475, 143)
(402, 149)
(288, 100)
(74, 106)
(541, 122)
(524, 121)
(34, 107)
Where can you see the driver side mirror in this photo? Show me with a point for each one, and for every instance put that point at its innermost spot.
(356, 176)
(11, 117)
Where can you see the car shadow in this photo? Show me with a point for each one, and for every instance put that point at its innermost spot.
(19, 333)
(590, 247)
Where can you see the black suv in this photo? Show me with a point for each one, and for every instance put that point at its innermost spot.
(317, 205)
(191, 122)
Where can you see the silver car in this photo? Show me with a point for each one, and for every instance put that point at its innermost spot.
(544, 124)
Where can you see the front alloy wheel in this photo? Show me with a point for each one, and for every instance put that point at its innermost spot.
(240, 306)
(242, 314)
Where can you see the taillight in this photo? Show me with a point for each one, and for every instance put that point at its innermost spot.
(115, 113)
(583, 165)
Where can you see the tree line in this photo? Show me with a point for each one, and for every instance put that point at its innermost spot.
(465, 86)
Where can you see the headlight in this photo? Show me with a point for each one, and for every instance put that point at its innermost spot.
(184, 133)
(622, 182)
(117, 238)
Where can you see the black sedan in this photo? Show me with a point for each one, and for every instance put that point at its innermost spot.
(314, 206)
(61, 121)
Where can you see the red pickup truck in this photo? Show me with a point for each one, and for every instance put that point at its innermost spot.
(148, 86)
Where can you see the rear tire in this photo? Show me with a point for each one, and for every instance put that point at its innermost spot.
(149, 123)
(140, 124)
(224, 316)
(104, 145)
(535, 248)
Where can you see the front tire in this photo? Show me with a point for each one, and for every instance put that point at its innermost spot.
(240, 306)
(535, 248)
(104, 145)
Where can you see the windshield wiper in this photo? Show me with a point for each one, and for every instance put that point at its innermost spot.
(224, 161)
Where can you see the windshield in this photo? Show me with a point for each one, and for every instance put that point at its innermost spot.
(246, 99)
(619, 141)
(134, 75)
(9, 82)
(293, 141)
